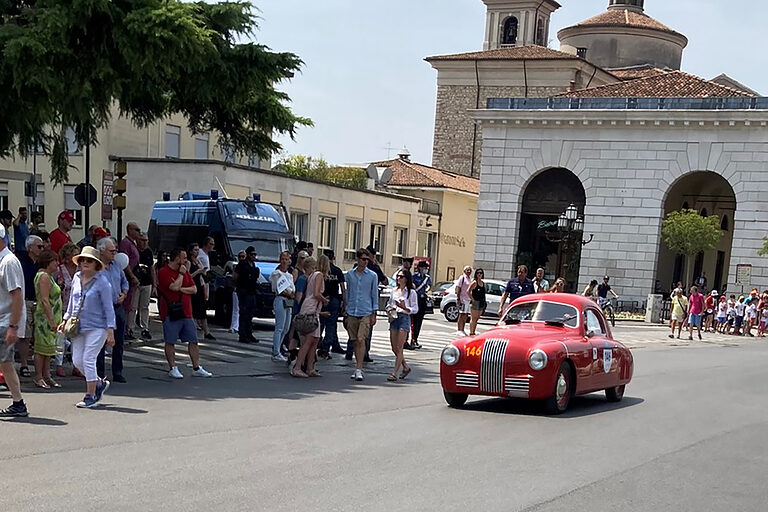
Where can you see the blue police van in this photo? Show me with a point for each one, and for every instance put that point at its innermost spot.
(234, 225)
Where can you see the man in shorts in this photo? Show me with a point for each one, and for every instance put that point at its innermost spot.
(12, 324)
(463, 300)
(695, 310)
(175, 288)
(362, 304)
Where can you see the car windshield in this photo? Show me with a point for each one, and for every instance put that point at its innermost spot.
(542, 311)
(267, 250)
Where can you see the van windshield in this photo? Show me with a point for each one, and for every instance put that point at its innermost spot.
(245, 217)
(267, 250)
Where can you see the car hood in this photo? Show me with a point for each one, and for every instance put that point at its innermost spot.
(523, 335)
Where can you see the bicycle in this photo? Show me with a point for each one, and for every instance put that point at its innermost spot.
(606, 305)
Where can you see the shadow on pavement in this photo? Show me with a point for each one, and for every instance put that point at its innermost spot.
(581, 406)
(31, 420)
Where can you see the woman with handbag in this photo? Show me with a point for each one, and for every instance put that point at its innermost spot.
(403, 302)
(284, 289)
(46, 319)
(679, 312)
(477, 291)
(89, 322)
(307, 322)
(199, 299)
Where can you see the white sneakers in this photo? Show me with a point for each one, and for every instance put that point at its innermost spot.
(279, 358)
(461, 334)
(200, 372)
(358, 375)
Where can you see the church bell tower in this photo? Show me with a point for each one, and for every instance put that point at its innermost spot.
(518, 22)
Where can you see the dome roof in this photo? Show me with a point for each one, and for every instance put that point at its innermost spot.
(624, 18)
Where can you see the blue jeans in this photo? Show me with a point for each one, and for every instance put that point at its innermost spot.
(117, 350)
(283, 315)
(330, 325)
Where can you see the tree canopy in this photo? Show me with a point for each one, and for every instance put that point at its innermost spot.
(764, 250)
(688, 233)
(302, 166)
(67, 63)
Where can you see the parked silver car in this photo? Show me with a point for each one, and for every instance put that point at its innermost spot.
(495, 289)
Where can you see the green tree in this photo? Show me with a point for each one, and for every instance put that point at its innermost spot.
(688, 233)
(302, 166)
(67, 63)
(764, 250)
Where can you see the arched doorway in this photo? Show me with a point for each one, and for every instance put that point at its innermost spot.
(544, 199)
(709, 194)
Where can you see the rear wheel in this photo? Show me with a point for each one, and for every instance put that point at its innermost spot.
(451, 312)
(611, 316)
(456, 400)
(561, 395)
(615, 394)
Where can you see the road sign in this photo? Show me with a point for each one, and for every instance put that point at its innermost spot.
(744, 274)
(85, 195)
(106, 195)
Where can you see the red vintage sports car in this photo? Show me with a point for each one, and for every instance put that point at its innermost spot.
(547, 347)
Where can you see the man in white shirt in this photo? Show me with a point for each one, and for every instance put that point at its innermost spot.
(12, 324)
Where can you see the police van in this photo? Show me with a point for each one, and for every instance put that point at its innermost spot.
(234, 225)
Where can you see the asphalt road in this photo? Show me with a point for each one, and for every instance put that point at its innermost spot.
(691, 434)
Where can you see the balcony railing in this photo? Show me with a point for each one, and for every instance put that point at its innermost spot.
(627, 103)
(429, 207)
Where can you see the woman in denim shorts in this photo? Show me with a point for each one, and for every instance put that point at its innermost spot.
(404, 302)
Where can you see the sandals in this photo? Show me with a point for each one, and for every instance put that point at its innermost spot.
(298, 373)
(41, 384)
(52, 383)
(392, 377)
(405, 373)
(315, 373)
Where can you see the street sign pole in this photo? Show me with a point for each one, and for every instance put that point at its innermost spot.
(87, 185)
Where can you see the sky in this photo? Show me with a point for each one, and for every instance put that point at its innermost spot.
(369, 92)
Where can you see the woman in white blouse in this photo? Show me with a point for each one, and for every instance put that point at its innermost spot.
(403, 302)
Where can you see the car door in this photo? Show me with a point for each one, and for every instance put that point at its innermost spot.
(604, 365)
(493, 298)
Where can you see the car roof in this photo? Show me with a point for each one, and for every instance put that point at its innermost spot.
(570, 299)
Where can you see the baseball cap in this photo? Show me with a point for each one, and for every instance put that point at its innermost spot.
(67, 216)
(99, 233)
(714, 293)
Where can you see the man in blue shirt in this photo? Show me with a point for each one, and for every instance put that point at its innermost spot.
(119, 283)
(362, 304)
(517, 287)
(20, 230)
(422, 282)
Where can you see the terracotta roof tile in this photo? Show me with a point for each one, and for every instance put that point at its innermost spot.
(673, 84)
(636, 72)
(625, 18)
(412, 174)
(531, 52)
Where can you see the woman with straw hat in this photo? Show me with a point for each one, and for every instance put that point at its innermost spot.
(91, 303)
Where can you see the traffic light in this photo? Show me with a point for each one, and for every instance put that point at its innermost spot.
(119, 186)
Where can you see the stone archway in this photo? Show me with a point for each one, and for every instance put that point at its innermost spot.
(708, 193)
(544, 198)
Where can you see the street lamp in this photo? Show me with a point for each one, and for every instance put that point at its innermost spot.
(569, 236)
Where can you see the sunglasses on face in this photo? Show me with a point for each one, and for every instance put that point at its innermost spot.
(401, 277)
(365, 259)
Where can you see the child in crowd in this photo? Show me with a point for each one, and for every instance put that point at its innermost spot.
(763, 321)
(722, 315)
(731, 314)
(750, 315)
(740, 309)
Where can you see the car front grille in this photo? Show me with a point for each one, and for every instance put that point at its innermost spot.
(492, 365)
(517, 387)
(467, 380)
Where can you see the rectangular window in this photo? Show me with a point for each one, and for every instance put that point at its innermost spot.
(426, 244)
(326, 233)
(72, 205)
(254, 161)
(40, 199)
(73, 148)
(377, 237)
(3, 195)
(401, 245)
(172, 141)
(352, 239)
(201, 146)
(300, 223)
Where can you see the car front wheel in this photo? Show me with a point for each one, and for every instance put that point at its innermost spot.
(451, 312)
(455, 400)
(615, 394)
(561, 395)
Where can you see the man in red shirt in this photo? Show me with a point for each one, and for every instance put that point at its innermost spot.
(60, 236)
(695, 310)
(175, 288)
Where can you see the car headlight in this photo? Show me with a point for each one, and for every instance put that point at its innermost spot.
(537, 360)
(450, 355)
